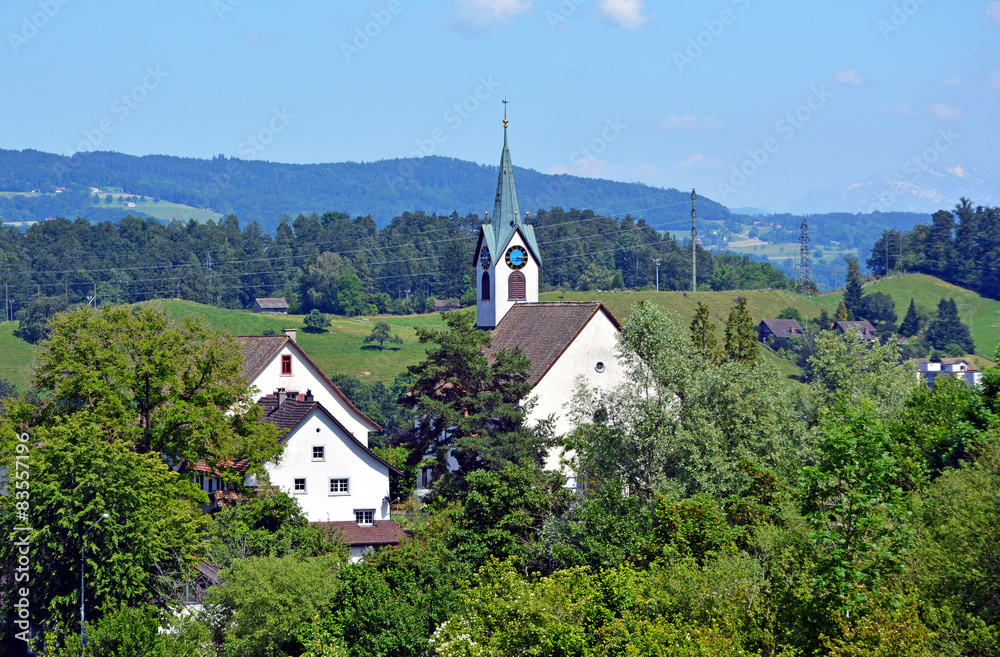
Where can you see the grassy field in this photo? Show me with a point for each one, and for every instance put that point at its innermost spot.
(166, 211)
(17, 357)
(341, 350)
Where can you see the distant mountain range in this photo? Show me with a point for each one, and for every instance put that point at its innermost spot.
(917, 188)
(265, 191)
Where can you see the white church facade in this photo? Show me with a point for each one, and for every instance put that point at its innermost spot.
(568, 343)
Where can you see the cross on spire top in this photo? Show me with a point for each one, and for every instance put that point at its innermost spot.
(504, 113)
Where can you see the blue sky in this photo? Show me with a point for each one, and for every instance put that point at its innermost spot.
(800, 95)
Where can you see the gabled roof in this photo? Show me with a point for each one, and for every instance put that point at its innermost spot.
(545, 330)
(383, 532)
(258, 350)
(863, 326)
(782, 326)
(291, 413)
(507, 219)
(969, 366)
(272, 303)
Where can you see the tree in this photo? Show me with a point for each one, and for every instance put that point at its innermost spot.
(853, 504)
(469, 407)
(849, 368)
(790, 312)
(266, 603)
(349, 295)
(81, 468)
(316, 322)
(703, 335)
(843, 315)
(176, 391)
(33, 320)
(911, 323)
(265, 523)
(381, 334)
(879, 309)
(948, 329)
(741, 337)
(886, 252)
(853, 292)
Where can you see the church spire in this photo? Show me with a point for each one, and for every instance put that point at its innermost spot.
(506, 213)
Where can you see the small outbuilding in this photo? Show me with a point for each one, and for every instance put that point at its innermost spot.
(273, 305)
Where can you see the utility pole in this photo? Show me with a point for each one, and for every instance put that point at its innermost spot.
(694, 245)
(657, 261)
(6, 302)
(805, 259)
(835, 276)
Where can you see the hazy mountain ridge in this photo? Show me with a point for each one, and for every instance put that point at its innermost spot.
(264, 191)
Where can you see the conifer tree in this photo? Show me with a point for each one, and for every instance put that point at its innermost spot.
(703, 335)
(741, 338)
(853, 294)
(948, 329)
(911, 323)
(842, 314)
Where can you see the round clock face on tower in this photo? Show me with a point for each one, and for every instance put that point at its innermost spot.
(484, 258)
(517, 257)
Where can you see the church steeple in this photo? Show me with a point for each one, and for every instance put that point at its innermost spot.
(506, 213)
(507, 258)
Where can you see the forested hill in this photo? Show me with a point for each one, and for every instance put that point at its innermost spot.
(265, 191)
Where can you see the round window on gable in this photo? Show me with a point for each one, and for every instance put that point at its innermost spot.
(317, 429)
(600, 366)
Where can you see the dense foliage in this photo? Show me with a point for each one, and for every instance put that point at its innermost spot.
(333, 263)
(725, 511)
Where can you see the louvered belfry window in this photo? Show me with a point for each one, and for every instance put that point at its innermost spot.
(516, 286)
(486, 286)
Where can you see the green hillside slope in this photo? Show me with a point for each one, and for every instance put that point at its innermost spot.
(341, 350)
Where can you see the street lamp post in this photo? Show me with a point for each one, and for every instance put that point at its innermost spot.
(83, 547)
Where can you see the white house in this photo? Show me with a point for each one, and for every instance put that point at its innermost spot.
(959, 368)
(273, 362)
(332, 474)
(326, 463)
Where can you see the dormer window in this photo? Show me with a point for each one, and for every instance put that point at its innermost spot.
(286, 365)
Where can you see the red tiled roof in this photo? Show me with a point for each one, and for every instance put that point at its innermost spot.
(544, 330)
(383, 532)
(239, 466)
(258, 350)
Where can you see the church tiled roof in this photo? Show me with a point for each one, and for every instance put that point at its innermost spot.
(544, 331)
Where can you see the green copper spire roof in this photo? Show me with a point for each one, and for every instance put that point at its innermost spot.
(506, 213)
(507, 219)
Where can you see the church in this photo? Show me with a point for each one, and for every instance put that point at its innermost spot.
(567, 342)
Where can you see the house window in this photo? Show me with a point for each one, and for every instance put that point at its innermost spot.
(299, 487)
(364, 516)
(516, 287)
(286, 364)
(486, 286)
(340, 486)
(319, 453)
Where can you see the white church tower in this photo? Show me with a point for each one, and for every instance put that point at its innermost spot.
(506, 256)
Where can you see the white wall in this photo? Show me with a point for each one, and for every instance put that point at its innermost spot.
(305, 377)
(596, 343)
(369, 479)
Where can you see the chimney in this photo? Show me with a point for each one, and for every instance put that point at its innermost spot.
(289, 333)
(309, 395)
(281, 396)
